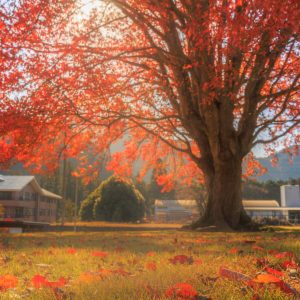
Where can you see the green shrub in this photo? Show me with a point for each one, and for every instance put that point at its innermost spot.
(118, 201)
(86, 211)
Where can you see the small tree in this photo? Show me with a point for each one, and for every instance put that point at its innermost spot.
(119, 201)
(87, 206)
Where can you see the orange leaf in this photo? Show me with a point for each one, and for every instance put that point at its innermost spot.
(266, 278)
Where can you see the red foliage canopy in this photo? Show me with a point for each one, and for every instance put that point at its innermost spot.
(197, 78)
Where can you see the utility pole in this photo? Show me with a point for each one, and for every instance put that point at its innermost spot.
(64, 189)
(76, 203)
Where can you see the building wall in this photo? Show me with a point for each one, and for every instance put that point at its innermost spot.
(290, 195)
(264, 213)
(28, 205)
(47, 209)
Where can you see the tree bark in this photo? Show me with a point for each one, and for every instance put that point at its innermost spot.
(224, 191)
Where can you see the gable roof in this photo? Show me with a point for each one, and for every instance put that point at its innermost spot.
(14, 183)
(17, 183)
(50, 194)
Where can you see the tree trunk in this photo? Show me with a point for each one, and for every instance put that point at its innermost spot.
(224, 191)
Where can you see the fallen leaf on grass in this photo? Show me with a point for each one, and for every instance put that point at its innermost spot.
(122, 272)
(198, 262)
(8, 282)
(257, 248)
(181, 291)
(289, 264)
(71, 251)
(266, 278)
(181, 259)
(151, 266)
(99, 254)
(249, 242)
(274, 272)
(234, 251)
(233, 275)
(89, 277)
(271, 279)
(285, 255)
(39, 281)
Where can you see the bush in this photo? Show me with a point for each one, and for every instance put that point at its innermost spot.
(86, 211)
(119, 201)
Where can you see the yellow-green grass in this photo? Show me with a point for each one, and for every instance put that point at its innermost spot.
(28, 254)
(121, 225)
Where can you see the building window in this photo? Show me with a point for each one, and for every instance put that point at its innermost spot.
(34, 196)
(5, 195)
(43, 212)
(19, 212)
(9, 212)
(26, 196)
(28, 212)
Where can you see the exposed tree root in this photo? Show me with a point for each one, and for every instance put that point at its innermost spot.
(204, 224)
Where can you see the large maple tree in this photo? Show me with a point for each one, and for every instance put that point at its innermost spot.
(205, 79)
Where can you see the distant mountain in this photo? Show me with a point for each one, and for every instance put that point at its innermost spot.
(284, 170)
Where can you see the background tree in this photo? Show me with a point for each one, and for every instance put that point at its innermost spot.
(206, 79)
(119, 201)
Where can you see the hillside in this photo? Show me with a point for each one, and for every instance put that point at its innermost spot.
(283, 171)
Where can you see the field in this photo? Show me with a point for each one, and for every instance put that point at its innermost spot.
(165, 264)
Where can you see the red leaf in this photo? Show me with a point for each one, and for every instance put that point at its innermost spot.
(233, 275)
(198, 262)
(273, 271)
(285, 255)
(234, 251)
(8, 282)
(257, 248)
(289, 264)
(182, 291)
(99, 254)
(151, 266)
(181, 259)
(71, 251)
(39, 281)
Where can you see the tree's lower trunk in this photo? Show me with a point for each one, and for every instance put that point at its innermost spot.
(224, 204)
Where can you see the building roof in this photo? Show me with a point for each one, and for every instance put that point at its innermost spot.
(260, 203)
(176, 205)
(17, 183)
(50, 194)
(14, 183)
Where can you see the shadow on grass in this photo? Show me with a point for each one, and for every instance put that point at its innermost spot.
(142, 241)
(132, 241)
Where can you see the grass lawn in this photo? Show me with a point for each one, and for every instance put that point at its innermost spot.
(146, 265)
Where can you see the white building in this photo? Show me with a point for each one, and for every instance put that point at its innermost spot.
(176, 211)
(23, 199)
(290, 199)
(186, 210)
(290, 195)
